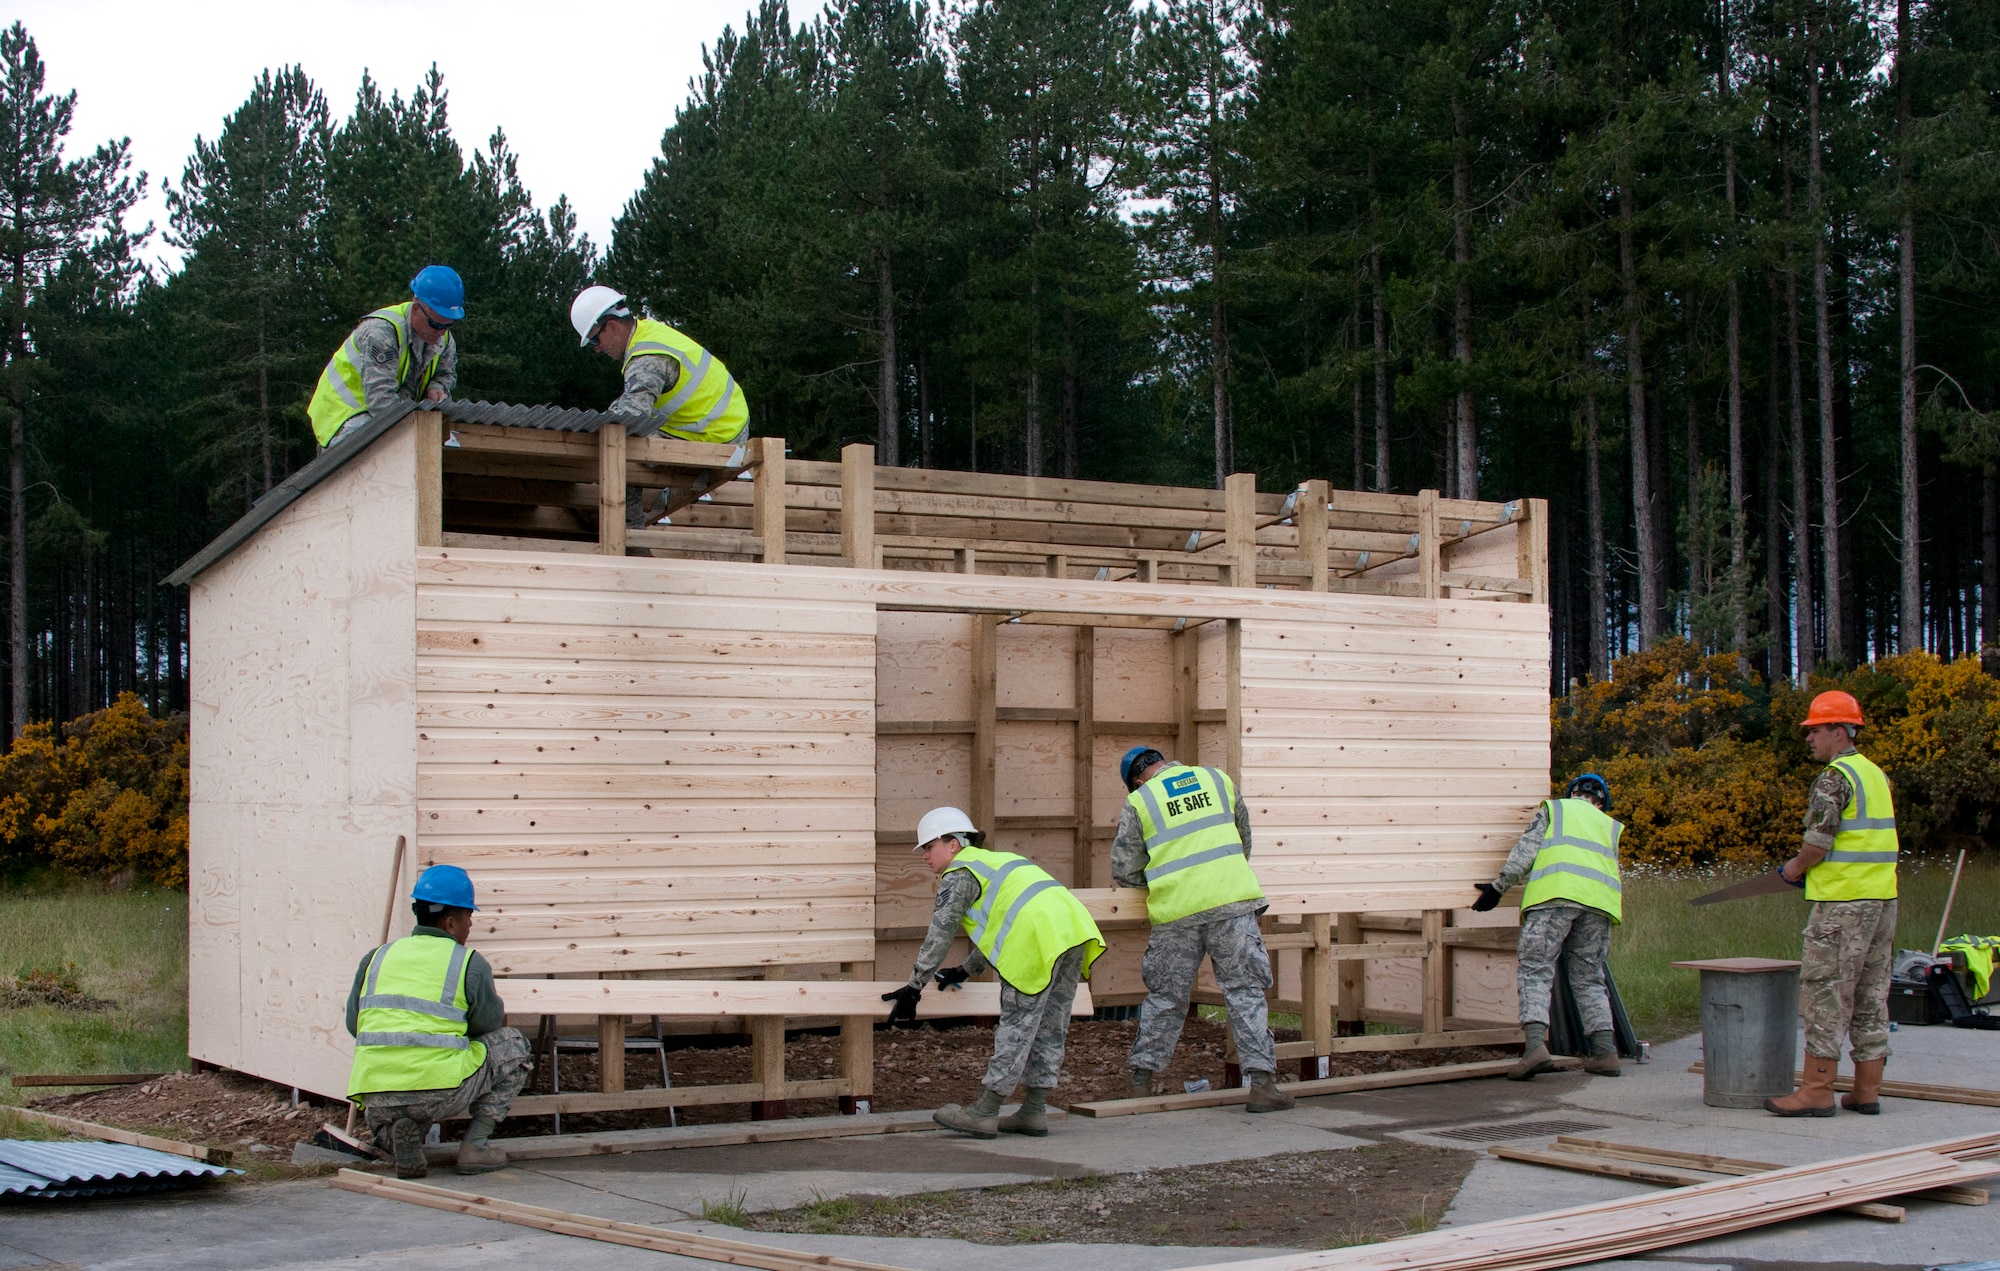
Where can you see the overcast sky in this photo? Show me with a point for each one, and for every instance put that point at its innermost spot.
(583, 90)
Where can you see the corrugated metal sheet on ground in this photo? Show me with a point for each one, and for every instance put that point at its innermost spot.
(46, 1170)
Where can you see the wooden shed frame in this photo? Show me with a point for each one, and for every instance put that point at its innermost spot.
(668, 751)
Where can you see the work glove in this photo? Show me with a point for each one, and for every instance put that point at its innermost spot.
(905, 1009)
(952, 976)
(1489, 898)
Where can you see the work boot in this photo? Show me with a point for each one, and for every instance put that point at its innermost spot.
(1142, 1084)
(1535, 1057)
(407, 1138)
(981, 1120)
(1815, 1097)
(475, 1155)
(1603, 1058)
(1265, 1095)
(1866, 1097)
(1033, 1118)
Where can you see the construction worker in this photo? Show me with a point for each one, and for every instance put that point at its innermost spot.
(669, 379)
(1847, 864)
(405, 350)
(1184, 835)
(1569, 858)
(1034, 933)
(430, 1035)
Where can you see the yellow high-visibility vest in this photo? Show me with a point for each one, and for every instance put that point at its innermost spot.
(1194, 856)
(1578, 860)
(339, 396)
(1024, 919)
(705, 403)
(1862, 863)
(410, 1030)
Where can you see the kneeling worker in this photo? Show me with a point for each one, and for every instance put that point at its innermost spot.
(1184, 835)
(669, 379)
(1569, 857)
(430, 1035)
(1030, 929)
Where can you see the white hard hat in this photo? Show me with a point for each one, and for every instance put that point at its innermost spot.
(939, 822)
(590, 307)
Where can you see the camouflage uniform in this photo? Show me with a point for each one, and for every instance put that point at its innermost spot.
(1557, 929)
(1226, 934)
(374, 353)
(488, 1092)
(645, 380)
(1849, 948)
(1033, 1027)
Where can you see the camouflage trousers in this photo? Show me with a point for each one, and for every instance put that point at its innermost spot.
(1582, 937)
(1033, 1029)
(1844, 979)
(1235, 948)
(488, 1092)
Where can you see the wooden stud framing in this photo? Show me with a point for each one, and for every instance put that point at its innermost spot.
(1430, 545)
(611, 1053)
(1241, 493)
(985, 687)
(769, 494)
(1186, 665)
(1351, 999)
(611, 490)
(1232, 711)
(857, 505)
(1311, 514)
(1085, 753)
(1437, 971)
(430, 478)
(857, 1050)
(1316, 991)
(767, 1059)
(1532, 550)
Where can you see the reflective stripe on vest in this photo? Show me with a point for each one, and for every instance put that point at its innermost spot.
(339, 396)
(1862, 862)
(1024, 919)
(411, 1023)
(705, 403)
(1194, 856)
(1578, 860)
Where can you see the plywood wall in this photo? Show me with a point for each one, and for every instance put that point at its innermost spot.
(303, 768)
(648, 765)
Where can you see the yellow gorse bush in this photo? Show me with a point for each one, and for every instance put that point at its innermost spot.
(103, 793)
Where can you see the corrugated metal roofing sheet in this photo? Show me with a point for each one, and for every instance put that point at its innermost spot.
(44, 1170)
(552, 418)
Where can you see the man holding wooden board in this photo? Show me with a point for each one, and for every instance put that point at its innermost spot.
(1848, 865)
(1184, 835)
(1035, 934)
(430, 1035)
(1569, 858)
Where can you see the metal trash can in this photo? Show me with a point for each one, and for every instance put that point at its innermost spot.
(1749, 1029)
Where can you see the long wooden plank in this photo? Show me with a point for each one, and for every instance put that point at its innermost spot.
(113, 1134)
(1907, 1090)
(1302, 1089)
(1662, 1174)
(544, 1147)
(537, 1105)
(87, 1078)
(1730, 1165)
(635, 1235)
(744, 997)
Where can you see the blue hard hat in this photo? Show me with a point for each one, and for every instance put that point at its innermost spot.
(441, 290)
(1590, 781)
(1131, 761)
(445, 885)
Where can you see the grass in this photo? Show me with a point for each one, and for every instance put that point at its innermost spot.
(728, 1211)
(1662, 928)
(130, 949)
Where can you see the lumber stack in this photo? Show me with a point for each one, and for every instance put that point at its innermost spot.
(1620, 1228)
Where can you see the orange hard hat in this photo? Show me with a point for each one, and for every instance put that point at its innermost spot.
(1834, 707)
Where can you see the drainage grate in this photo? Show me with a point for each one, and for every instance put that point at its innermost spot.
(1515, 1130)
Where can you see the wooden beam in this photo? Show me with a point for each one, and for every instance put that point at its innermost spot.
(113, 1134)
(1303, 1089)
(787, 998)
(430, 478)
(857, 1050)
(1085, 768)
(1975, 1196)
(1232, 689)
(1316, 988)
(1533, 551)
(1186, 684)
(87, 1079)
(857, 505)
(1508, 1036)
(1437, 972)
(1353, 976)
(1240, 491)
(1660, 1174)
(1313, 498)
(985, 687)
(611, 1053)
(611, 490)
(544, 1147)
(1429, 545)
(769, 494)
(655, 1097)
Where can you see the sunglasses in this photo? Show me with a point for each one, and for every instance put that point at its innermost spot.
(436, 323)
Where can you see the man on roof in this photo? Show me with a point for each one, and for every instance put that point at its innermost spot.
(671, 382)
(430, 1033)
(1569, 858)
(1032, 931)
(405, 350)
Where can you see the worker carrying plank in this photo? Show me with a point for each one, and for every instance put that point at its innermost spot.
(1568, 857)
(1847, 863)
(1184, 835)
(405, 350)
(669, 379)
(430, 1033)
(1029, 929)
